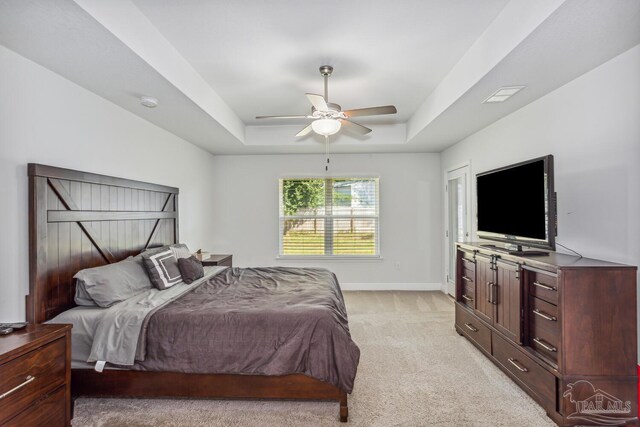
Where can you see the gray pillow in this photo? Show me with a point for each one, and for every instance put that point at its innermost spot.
(112, 283)
(180, 250)
(82, 297)
(151, 251)
(163, 269)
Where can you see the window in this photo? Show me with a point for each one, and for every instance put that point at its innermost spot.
(329, 217)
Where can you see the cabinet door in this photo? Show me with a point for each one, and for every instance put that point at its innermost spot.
(508, 301)
(484, 282)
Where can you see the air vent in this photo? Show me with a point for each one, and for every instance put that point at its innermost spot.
(503, 94)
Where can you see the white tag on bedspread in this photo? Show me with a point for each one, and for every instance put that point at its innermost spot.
(100, 365)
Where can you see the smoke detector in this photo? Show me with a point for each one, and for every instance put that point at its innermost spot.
(149, 101)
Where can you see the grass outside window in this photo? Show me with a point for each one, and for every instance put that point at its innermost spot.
(309, 243)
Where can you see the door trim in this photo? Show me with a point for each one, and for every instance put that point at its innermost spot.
(463, 168)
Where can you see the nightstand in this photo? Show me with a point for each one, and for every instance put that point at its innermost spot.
(215, 259)
(35, 376)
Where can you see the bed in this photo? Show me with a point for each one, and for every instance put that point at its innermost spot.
(80, 220)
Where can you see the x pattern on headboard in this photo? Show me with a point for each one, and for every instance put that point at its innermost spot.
(79, 220)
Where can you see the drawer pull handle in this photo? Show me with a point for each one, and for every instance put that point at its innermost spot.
(543, 286)
(18, 387)
(467, 298)
(515, 363)
(542, 343)
(466, 279)
(545, 315)
(470, 327)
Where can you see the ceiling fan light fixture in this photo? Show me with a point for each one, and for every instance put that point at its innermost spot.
(329, 117)
(326, 127)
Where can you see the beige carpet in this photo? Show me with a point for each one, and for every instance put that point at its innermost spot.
(414, 371)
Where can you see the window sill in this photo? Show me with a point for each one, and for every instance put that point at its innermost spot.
(347, 258)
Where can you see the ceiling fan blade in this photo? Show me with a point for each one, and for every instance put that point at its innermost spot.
(304, 131)
(371, 111)
(284, 117)
(354, 127)
(318, 101)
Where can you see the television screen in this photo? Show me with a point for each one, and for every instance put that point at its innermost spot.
(514, 203)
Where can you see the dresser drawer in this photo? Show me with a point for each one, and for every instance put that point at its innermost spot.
(533, 376)
(50, 412)
(543, 286)
(27, 378)
(543, 315)
(473, 328)
(468, 262)
(468, 297)
(468, 276)
(545, 342)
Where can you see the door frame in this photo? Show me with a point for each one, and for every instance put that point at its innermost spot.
(461, 169)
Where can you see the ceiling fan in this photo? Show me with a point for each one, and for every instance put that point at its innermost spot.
(328, 118)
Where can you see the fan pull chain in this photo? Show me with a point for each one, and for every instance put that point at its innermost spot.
(326, 151)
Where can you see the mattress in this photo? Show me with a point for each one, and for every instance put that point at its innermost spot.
(256, 321)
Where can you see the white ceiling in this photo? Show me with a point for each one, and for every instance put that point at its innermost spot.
(215, 65)
(262, 56)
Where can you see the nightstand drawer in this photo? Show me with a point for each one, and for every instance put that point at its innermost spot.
(50, 412)
(26, 379)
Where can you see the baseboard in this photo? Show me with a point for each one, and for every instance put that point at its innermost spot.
(391, 286)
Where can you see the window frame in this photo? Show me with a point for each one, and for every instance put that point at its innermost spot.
(337, 257)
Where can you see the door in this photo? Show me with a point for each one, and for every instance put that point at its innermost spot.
(484, 288)
(457, 219)
(508, 303)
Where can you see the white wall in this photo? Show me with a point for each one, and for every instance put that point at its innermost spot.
(592, 127)
(246, 215)
(47, 119)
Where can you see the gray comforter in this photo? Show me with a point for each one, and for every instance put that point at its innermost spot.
(262, 321)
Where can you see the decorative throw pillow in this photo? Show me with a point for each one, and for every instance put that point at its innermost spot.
(190, 268)
(163, 269)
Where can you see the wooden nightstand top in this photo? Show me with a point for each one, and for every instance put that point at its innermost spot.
(28, 338)
(215, 259)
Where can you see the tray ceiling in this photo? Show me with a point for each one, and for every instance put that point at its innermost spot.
(215, 65)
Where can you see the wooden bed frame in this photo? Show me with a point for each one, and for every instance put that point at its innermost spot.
(79, 220)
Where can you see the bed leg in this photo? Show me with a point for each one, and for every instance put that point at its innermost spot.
(344, 408)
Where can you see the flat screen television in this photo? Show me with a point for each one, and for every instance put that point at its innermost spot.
(517, 205)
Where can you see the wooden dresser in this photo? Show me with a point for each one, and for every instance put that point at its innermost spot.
(562, 327)
(35, 376)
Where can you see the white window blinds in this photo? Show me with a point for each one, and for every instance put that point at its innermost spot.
(329, 216)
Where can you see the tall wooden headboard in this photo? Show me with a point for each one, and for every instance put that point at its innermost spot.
(79, 220)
